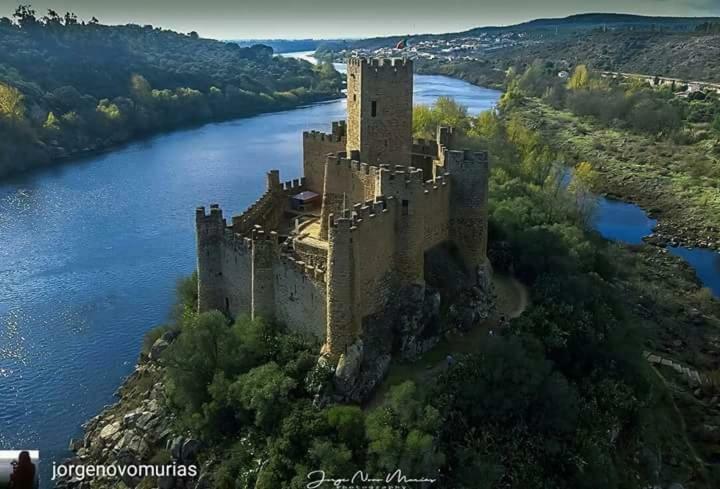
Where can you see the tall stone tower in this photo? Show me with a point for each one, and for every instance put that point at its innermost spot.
(379, 110)
(210, 228)
(469, 204)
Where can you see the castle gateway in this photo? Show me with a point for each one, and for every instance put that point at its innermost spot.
(325, 253)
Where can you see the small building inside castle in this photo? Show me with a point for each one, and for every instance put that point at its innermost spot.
(324, 253)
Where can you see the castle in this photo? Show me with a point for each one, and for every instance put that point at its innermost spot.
(324, 253)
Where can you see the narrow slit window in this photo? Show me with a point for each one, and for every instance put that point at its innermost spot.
(373, 109)
(404, 207)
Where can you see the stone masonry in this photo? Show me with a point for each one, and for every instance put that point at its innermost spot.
(324, 266)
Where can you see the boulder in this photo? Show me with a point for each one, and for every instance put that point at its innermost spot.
(175, 447)
(190, 450)
(108, 431)
(349, 364)
(158, 348)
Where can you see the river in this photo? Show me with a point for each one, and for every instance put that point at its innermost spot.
(90, 253)
(629, 223)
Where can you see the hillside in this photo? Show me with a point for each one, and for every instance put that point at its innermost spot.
(682, 47)
(68, 86)
(681, 55)
(550, 26)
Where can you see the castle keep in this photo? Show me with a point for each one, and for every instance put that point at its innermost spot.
(325, 253)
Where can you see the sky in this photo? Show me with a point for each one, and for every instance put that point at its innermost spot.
(296, 19)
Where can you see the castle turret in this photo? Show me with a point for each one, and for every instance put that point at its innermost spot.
(445, 136)
(264, 248)
(209, 235)
(340, 323)
(316, 146)
(468, 204)
(273, 180)
(406, 186)
(379, 107)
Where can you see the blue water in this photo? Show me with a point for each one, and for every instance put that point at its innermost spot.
(706, 264)
(90, 253)
(624, 222)
(628, 223)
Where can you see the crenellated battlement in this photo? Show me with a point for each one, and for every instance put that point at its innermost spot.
(213, 216)
(209, 225)
(408, 174)
(439, 184)
(315, 273)
(363, 214)
(320, 136)
(293, 186)
(340, 160)
(426, 147)
(380, 63)
(242, 223)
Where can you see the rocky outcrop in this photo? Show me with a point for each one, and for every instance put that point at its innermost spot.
(139, 429)
(410, 326)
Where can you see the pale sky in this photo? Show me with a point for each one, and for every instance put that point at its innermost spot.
(243, 19)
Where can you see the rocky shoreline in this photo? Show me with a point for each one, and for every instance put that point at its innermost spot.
(138, 429)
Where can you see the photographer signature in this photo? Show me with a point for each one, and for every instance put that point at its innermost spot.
(318, 478)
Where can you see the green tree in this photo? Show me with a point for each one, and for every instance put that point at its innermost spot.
(11, 103)
(51, 123)
(403, 433)
(580, 78)
(584, 178)
(265, 391)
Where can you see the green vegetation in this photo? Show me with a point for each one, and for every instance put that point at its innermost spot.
(560, 398)
(647, 144)
(68, 87)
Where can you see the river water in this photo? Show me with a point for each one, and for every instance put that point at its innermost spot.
(90, 253)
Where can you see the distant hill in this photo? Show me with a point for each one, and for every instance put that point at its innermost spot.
(557, 26)
(686, 55)
(280, 45)
(682, 47)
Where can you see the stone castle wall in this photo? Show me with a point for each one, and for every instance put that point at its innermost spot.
(316, 146)
(469, 203)
(379, 110)
(269, 208)
(256, 279)
(236, 253)
(300, 298)
(346, 181)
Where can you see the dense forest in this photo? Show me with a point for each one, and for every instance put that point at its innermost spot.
(69, 86)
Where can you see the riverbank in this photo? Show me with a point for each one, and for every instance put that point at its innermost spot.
(138, 429)
(663, 177)
(58, 156)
